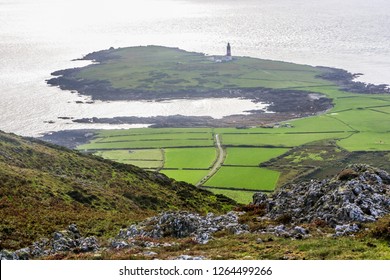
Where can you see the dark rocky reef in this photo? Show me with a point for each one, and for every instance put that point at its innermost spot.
(346, 82)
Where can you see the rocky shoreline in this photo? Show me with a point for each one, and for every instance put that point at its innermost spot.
(284, 105)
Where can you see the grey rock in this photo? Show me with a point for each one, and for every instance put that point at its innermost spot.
(187, 257)
(115, 244)
(259, 198)
(300, 230)
(347, 229)
(22, 254)
(89, 244)
(363, 197)
(62, 241)
(6, 255)
(149, 253)
(184, 224)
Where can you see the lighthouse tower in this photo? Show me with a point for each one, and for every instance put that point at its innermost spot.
(228, 51)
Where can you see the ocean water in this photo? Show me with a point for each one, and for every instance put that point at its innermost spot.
(41, 36)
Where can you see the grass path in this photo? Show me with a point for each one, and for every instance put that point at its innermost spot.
(217, 164)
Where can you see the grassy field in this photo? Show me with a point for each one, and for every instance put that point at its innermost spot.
(251, 156)
(199, 158)
(142, 144)
(123, 155)
(255, 178)
(367, 141)
(278, 139)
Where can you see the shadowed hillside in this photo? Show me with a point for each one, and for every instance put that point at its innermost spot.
(45, 187)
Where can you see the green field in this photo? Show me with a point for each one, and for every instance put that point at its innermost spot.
(367, 141)
(123, 155)
(156, 136)
(255, 178)
(278, 139)
(147, 144)
(199, 158)
(251, 156)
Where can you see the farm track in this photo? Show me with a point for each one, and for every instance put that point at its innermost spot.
(218, 163)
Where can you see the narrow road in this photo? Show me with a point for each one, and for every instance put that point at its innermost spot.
(217, 163)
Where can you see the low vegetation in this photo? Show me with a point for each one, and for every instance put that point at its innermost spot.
(44, 188)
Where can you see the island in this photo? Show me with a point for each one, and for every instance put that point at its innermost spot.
(155, 73)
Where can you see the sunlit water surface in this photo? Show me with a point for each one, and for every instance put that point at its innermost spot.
(41, 36)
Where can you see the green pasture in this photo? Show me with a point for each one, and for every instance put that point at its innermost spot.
(366, 141)
(155, 136)
(385, 110)
(189, 176)
(148, 159)
(251, 178)
(322, 123)
(147, 144)
(202, 158)
(365, 120)
(121, 155)
(359, 101)
(278, 139)
(251, 156)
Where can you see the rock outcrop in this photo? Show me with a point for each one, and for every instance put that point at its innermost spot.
(179, 225)
(69, 240)
(360, 193)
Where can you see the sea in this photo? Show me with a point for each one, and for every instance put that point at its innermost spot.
(41, 36)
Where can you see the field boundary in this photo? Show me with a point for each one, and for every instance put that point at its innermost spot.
(217, 164)
(237, 189)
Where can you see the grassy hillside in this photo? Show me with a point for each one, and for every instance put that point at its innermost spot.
(44, 188)
(155, 68)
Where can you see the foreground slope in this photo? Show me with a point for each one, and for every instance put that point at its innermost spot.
(44, 187)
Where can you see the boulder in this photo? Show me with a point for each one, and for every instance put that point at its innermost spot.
(182, 224)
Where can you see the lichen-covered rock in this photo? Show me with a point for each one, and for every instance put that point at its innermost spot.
(259, 198)
(69, 240)
(347, 229)
(296, 232)
(180, 225)
(187, 258)
(360, 193)
(363, 197)
(6, 255)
